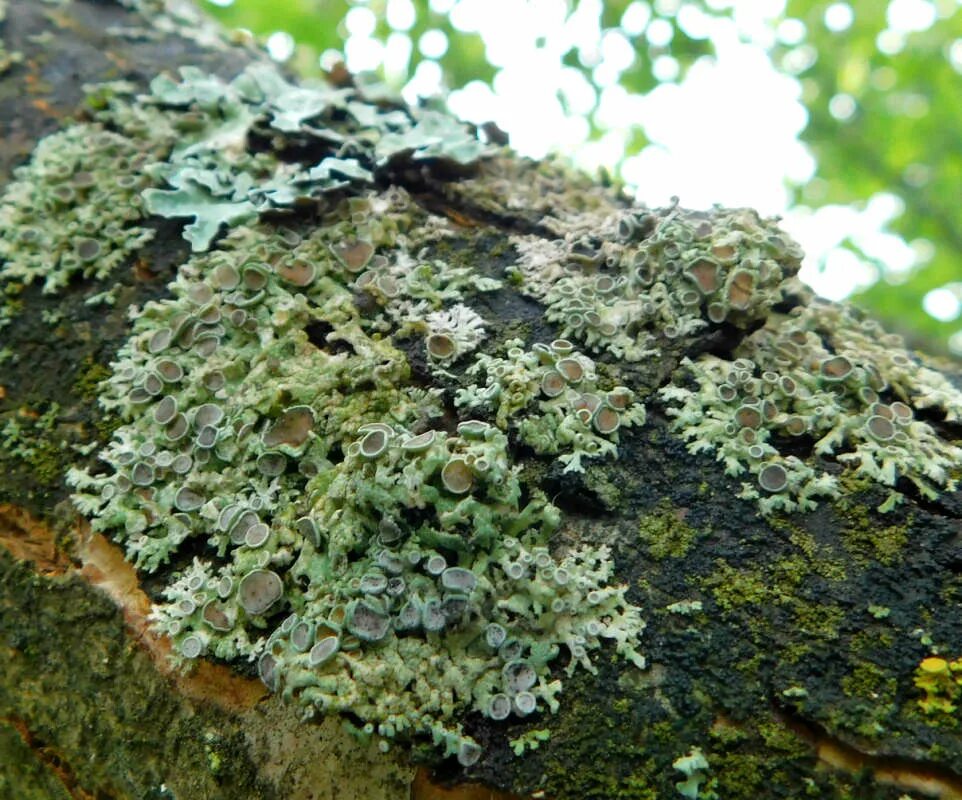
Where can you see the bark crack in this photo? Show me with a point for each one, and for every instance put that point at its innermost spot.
(901, 771)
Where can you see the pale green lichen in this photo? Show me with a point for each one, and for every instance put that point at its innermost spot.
(828, 376)
(311, 505)
(531, 740)
(216, 182)
(696, 785)
(371, 561)
(628, 283)
(554, 397)
(180, 17)
(74, 208)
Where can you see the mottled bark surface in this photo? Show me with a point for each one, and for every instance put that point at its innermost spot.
(784, 648)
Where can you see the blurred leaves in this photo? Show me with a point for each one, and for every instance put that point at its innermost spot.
(897, 121)
(884, 102)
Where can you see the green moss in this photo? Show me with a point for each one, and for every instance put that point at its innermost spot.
(664, 532)
(590, 733)
(866, 540)
(32, 445)
(876, 689)
(24, 776)
(733, 588)
(763, 758)
(607, 484)
(818, 620)
(90, 375)
(111, 744)
(105, 731)
(781, 739)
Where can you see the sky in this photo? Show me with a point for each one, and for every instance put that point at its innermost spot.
(726, 133)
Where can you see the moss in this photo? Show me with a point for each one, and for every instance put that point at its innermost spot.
(24, 776)
(783, 740)
(877, 690)
(104, 731)
(591, 734)
(764, 758)
(818, 620)
(733, 588)
(870, 640)
(605, 484)
(664, 532)
(868, 541)
(107, 744)
(33, 446)
(90, 375)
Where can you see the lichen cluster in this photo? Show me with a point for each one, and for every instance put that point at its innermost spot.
(216, 178)
(639, 278)
(833, 382)
(552, 396)
(325, 432)
(369, 557)
(74, 208)
(941, 682)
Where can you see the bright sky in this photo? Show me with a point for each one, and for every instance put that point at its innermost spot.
(727, 133)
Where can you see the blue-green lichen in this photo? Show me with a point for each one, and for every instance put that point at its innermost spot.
(216, 181)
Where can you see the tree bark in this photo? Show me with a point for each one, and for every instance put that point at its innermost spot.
(783, 646)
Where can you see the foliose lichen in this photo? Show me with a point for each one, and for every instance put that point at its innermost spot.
(640, 278)
(216, 180)
(574, 418)
(321, 465)
(696, 784)
(833, 381)
(74, 208)
(369, 555)
(413, 582)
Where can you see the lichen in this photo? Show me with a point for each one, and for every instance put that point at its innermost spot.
(696, 784)
(641, 278)
(216, 180)
(368, 559)
(74, 209)
(554, 398)
(834, 381)
(941, 682)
